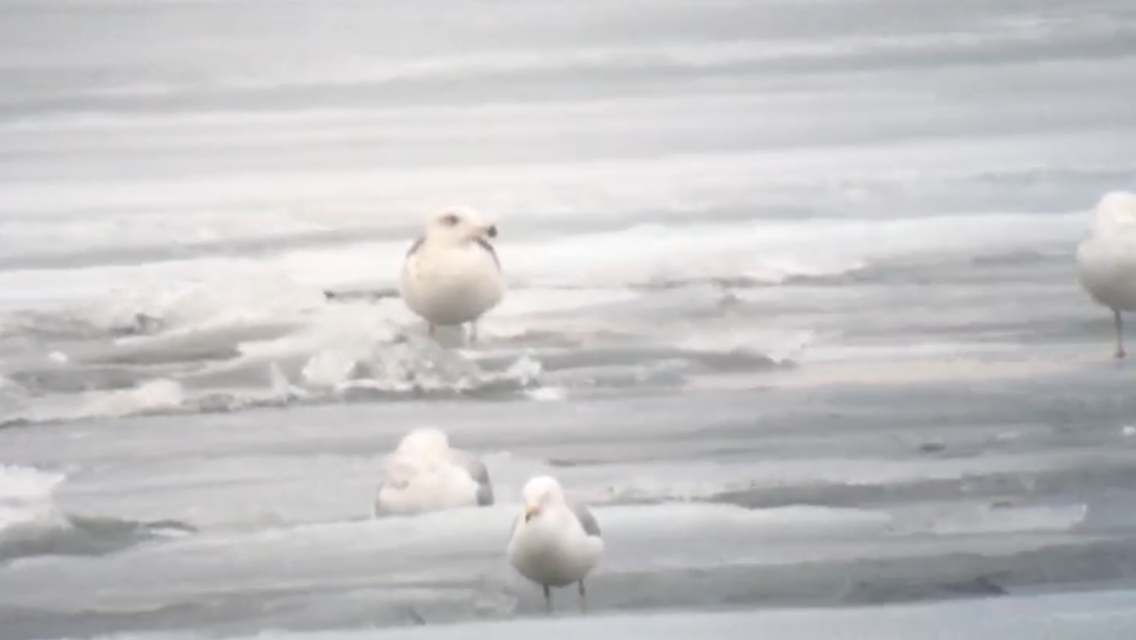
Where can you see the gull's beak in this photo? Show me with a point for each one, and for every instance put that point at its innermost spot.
(530, 511)
(491, 231)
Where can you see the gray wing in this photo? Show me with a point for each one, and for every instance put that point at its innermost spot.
(587, 520)
(480, 475)
(415, 247)
(485, 244)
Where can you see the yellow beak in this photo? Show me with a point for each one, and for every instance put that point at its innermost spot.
(531, 510)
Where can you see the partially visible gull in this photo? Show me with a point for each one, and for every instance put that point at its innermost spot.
(554, 543)
(451, 274)
(1106, 260)
(425, 474)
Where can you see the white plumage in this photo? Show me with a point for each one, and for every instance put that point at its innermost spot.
(554, 543)
(451, 275)
(1106, 260)
(425, 474)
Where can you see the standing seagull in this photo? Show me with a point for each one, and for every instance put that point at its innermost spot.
(451, 274)
(424, 474)
(554, 543)
(1106, 261)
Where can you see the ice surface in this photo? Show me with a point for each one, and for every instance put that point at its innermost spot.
(790, 304)
(1085, 616)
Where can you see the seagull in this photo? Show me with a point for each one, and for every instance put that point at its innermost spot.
(554, 543)
(1106, 260)
(425, 474)
(451, 274)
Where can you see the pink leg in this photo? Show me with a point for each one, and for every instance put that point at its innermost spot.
(431, 328)
(473, 333)
(1119, 322)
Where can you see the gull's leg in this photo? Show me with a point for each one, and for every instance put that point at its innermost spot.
(1119, 322)
(430, 326)
(547, 598)
(583, 598)
(473, 332)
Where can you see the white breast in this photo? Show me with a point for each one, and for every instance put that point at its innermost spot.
(1107, 270)
(422, 488)
(451, 285)
(547, 550)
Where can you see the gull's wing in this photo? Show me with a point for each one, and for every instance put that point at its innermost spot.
(415, 247)
(476, 470)
(485, 244)
(587, 520)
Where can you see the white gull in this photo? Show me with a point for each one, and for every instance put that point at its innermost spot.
(425, 474)
(1106, 260)
(554, 543)
(451, 274)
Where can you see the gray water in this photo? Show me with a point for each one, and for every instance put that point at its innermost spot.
(792, 305)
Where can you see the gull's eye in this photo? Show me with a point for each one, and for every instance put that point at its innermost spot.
(449, 220)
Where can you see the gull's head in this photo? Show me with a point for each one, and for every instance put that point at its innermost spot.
(1116, 211)
(540, 493)
(458, 225)
(424, 443)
